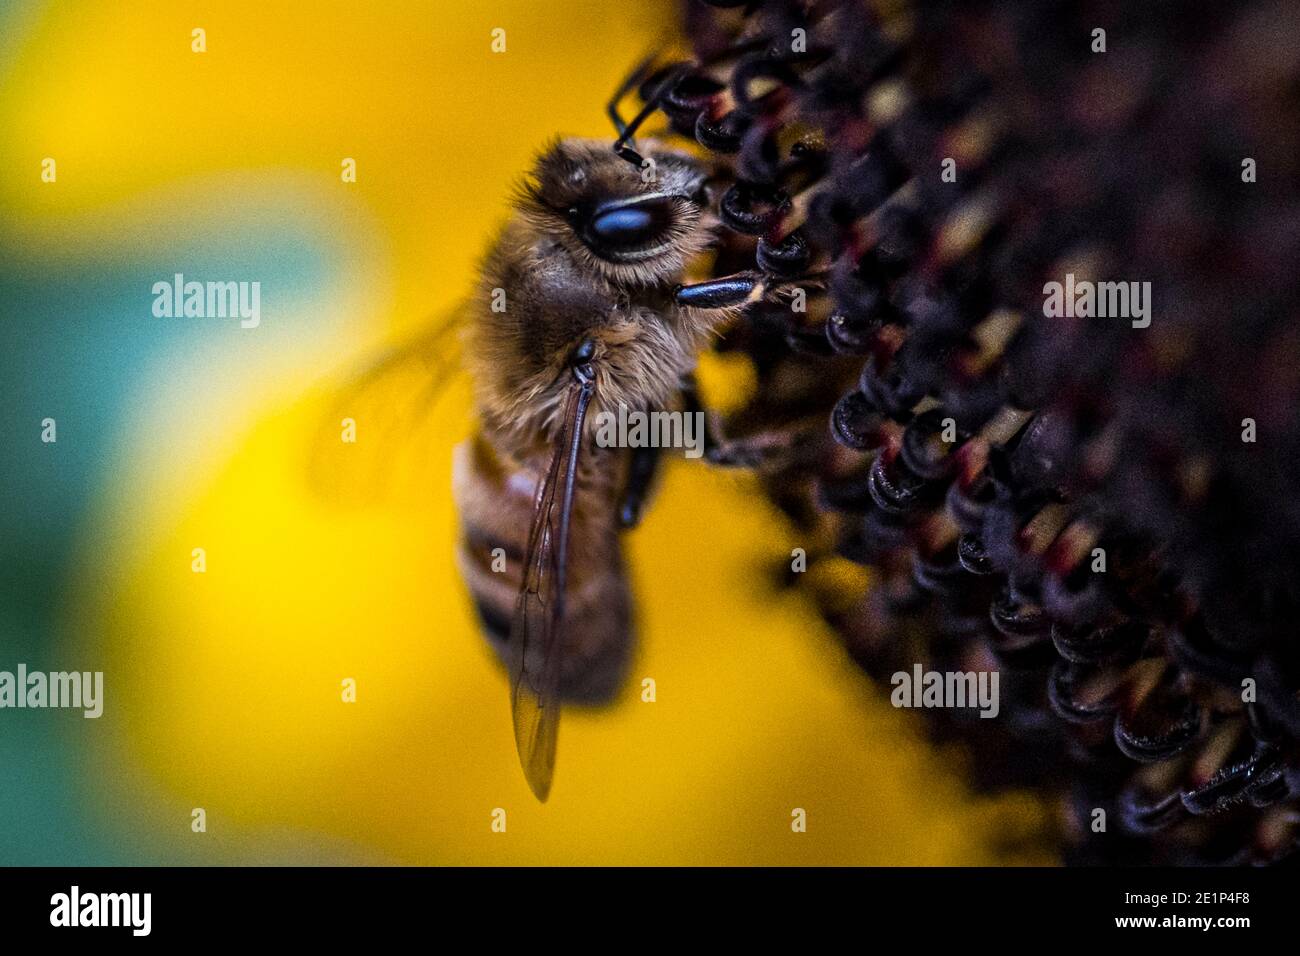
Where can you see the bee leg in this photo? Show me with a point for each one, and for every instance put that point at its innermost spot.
(715, 447)
(717, 450)
(641, 473)
(751, 451)
(728, 292)
(740, 289)
(748, 452)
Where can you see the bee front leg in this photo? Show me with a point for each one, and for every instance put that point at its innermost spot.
(740, 289)
(641, 472)
(727, 292)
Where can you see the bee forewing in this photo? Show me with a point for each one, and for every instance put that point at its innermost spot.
(535, 699)
(390, 406)
(536, 632)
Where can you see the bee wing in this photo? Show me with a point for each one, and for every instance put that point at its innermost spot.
(391, 405)
(535, 633)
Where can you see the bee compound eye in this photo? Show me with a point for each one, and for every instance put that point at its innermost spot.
(584, 353)
(623, 227)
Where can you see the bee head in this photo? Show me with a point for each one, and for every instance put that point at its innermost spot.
(633, 226)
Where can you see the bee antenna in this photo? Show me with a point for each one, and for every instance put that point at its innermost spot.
(633, 79)
(625, 145)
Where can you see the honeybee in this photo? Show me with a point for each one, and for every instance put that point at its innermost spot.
(580, 307)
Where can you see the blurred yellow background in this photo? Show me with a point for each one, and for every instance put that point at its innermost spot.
(223, 688)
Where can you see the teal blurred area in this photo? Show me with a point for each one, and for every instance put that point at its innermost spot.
(79, 344)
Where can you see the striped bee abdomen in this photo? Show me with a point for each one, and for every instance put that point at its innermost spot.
(495, 497)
